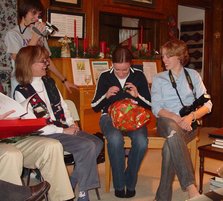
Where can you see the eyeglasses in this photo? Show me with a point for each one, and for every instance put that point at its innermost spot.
(44, 61)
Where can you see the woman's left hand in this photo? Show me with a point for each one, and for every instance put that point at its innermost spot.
(76, 127)
(72, 130)
(131, 89)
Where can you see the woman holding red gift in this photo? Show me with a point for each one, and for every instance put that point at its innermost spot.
(46, 102)
(120, 82)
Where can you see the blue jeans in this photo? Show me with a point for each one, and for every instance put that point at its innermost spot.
(124, 177)
(85, 149)
(175, 158)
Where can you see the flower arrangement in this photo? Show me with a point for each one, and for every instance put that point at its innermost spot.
(94, 52)
(143, 53)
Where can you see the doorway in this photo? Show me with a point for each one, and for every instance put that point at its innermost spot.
(191, 29)
(205, 10)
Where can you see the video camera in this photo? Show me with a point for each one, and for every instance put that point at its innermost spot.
(49, 29)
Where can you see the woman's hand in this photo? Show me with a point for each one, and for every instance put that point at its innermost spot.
(72, 130)
(112, 91)
(186, 122)
(69, 85)
(131, 89)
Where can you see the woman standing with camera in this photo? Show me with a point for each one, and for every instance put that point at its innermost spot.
(29, 31)
(173, 91)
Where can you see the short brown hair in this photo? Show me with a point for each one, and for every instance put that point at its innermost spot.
(121, 55)
(25, 58)
(178, 48)
(28, 5)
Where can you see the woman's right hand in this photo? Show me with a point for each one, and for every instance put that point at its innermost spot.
(112, 91)
(185, 124)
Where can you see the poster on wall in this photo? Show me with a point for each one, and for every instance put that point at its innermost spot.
(97, 68)
(149, 69)
(81, 72)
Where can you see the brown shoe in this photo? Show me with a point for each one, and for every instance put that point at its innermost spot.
(38, 191)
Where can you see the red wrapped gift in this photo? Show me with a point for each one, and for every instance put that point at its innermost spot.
(20, 127)
(127, 115)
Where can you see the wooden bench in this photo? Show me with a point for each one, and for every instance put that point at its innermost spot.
(155, 142)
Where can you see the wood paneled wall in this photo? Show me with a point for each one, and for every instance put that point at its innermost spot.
(92, 9)
(213, 63)
(215, 76)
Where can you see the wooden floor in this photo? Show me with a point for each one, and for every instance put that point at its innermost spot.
(149, 174)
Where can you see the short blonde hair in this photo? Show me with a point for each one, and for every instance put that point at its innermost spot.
(25, 58)
(178, 48)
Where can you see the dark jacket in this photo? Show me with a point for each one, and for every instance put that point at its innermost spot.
(108, 79)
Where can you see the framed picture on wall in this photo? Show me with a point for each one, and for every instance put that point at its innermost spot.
(69, 24)
(143, 3)
(67, 3)
(99, 66)
(150, 69)
(81, 70)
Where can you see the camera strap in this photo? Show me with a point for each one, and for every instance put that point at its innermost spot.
(174, 84)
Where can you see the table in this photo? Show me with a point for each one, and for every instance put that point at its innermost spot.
(209, 152)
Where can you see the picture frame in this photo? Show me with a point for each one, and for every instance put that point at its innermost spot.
(141, 3)
(64, 21)
(99, 66)
(67, 3)
(81, 70)
(150, 70)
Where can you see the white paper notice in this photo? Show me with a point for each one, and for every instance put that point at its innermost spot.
(65, 24)
(149, 69)
(98, 67)
(81, 72)
(7, 104)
